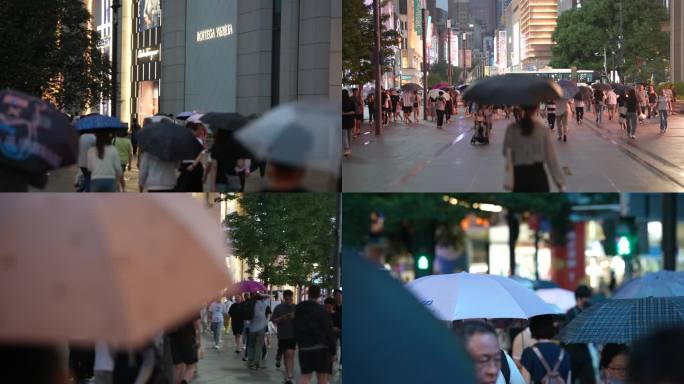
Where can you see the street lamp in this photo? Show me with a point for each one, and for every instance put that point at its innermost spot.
(116, 5)
(424, 13)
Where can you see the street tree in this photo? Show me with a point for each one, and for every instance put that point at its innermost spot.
(438, 73)
(584, 33)
(358, 42)
(50, 50)
(285, 238)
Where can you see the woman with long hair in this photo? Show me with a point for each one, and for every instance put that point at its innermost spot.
(104, 165)
(348, 115)
(528, 146)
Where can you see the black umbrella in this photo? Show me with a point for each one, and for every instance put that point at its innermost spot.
(227, 121)
(169, 141)
(224, 126)
(34, 136)
(602, 86)
(513, 89)
(621, 88)
(411, 87)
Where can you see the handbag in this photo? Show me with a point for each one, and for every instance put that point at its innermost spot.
(509, 181)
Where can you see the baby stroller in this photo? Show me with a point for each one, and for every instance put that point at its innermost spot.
(481, 129)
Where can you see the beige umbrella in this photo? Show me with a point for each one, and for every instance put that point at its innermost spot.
(116, 268)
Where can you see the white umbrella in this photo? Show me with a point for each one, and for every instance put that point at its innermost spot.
(302, 134)
(463, 295)
(116, 268)
(562, 298)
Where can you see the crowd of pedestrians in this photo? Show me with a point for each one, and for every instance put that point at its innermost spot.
(537, 356)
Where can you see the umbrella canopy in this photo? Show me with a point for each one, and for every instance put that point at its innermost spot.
(226, 121)
(513, 89)
(250, 286)
(184, 115)
(463, 295)
(435, 94)
(34, 136)
(622, 88)
(98, 123)
(441, 86)
(300, 134)
(658, 284)
(109, 270)
(411, 87)
(380, 347)
(585, 91)
(169, 141)
(534, 284)
(602, 86)
(570, 88)
(562, 298)
(623, 321)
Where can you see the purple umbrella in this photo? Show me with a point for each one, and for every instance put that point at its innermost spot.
(250, 286)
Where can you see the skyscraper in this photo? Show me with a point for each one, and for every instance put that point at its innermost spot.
(483, 12)
(459, 13)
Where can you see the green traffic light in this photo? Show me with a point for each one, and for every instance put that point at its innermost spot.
(624, 247)
(423, 263)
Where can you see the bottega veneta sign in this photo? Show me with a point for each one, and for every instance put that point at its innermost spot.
(215, 33)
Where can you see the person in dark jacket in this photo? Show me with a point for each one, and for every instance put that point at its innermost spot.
(315, 338)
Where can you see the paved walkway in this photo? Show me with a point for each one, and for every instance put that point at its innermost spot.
(225, 366)
(62, 180)
(420, 158)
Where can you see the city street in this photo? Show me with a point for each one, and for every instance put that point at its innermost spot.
(420, 158)
(225, 366)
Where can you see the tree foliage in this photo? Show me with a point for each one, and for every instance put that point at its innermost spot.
(424, 210)
(358, 42)
(438, 73)
(50, 51)
(288, 238)
(583, 33)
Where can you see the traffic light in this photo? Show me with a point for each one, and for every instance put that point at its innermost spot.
(423, 263)
(626, 237)
(423, 266)
(624, 246)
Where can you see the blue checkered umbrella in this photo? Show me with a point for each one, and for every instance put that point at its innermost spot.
(658, 284)
(98, 123)
(624, 320)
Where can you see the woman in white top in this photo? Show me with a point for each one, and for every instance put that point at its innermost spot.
(157, 175)
(663, 105)
(104, 165)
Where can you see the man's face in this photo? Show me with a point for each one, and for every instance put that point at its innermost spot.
(338, 298)
(329, 308)
(582, 302)
(484, 349)
(288, 299)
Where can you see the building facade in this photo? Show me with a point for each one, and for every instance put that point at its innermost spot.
(242, 56)
(530, 25)
(677, 40)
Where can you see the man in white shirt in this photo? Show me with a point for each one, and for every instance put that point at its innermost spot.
(85, 141)
(407, 105)
(216, 309)
(611, 100)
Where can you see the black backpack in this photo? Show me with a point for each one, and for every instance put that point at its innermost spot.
(249, 309)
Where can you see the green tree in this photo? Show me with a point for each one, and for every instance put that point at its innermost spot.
(50, 51)
(289, 238)
(582, 35)
(358, 42)
(438, 73)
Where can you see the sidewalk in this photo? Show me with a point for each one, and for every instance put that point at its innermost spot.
(420, 158)
(225, 366)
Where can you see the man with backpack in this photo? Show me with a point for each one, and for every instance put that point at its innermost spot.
(492, 364)
(545, 362)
